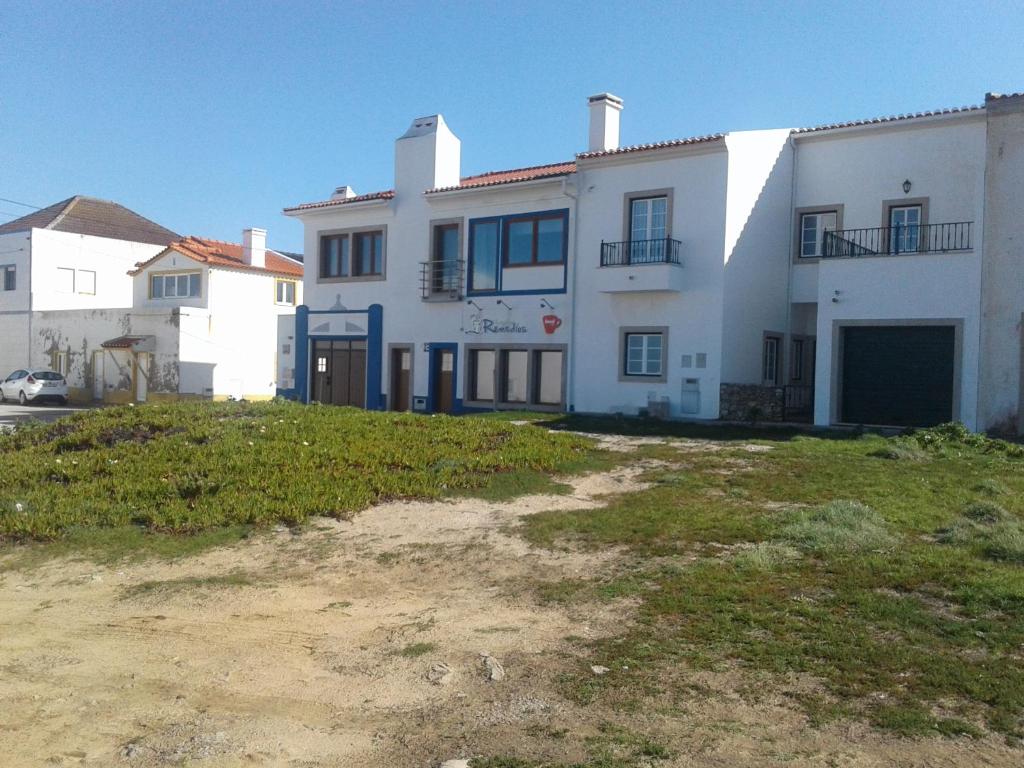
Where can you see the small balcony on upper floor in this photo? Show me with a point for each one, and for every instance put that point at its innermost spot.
(442, 279)
(641, 266)
(897, 240)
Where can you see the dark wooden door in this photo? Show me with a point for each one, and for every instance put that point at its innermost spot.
(339, 372)
(444, 381)
(401, 374)
(898, 375)
(321, 371)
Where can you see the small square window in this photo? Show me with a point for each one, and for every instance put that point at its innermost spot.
(644, 355)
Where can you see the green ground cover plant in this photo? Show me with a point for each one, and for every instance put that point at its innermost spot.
(193, 467)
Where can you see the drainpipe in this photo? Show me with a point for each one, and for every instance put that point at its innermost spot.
(570, 404)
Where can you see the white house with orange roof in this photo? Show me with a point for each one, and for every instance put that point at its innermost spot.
(204, 322)
(867, 272)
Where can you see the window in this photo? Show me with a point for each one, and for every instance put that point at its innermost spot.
(514, 364)
(284, 292)
(770, 360)
(644, 354)
(904, 228)
(444, 268)
(8, 273)
(797, 368)
(483, 253)
(65, 280)
(174, 286)
(535, 240)
(368, 254)
(87, 281)
(515, 377)
(547, 379)
(334, 261)
(481, 374)
(812, 230)
(60, 363)
(648, 218)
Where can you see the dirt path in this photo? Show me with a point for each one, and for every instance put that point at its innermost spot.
(359, 644)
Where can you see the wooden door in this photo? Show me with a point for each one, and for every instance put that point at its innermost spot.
(401, 375)
(444, 381)
(97, 374)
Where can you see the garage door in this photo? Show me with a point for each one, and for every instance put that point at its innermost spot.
(897, 375)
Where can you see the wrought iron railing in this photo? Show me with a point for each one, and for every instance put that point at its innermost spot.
(441, 280)
(891, 241)
(664, 250)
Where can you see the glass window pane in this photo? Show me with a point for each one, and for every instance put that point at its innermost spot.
(485, 256)
(516, 363)
(550, 240)
(483, 374)
(659, 218)
(638, 220)
(520, 242)
(193, 285)
(182, 285)
(447, 243)
(86, 281)
(549, 377)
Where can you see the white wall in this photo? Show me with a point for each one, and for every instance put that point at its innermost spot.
(110, 259)
(15, 305)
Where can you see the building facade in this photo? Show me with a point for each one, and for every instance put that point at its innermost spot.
(861, 273)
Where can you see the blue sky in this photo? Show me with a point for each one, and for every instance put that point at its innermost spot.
(212, 117)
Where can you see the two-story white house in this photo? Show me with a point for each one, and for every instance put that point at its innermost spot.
(861, 273)
(207, 319)
(72, 255)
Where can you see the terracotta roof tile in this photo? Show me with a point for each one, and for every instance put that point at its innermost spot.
(387, 194)
(889, 119)
(493, 178)
(218, 253)
(92, 216)
(654, 145)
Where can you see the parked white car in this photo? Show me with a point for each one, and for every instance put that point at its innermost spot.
(34, 387)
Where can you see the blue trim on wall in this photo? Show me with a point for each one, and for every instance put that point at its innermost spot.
(502, 237)
(432, 373)
(374, 358)
(302, 352)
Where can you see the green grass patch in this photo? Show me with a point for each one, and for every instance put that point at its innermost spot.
(191, 467)
(190, 584)
(881, 567)
(415, 650)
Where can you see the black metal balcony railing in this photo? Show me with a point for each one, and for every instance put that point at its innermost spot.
(664, 250)
(441, 280)
(890, 241)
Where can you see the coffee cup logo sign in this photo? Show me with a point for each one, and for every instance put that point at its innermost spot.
(551, 323)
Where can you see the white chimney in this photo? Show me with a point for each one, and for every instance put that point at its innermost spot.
(343, 193)
(604, 122)
(254, 247)
(426, 156)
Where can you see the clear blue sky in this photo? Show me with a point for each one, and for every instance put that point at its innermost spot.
(210, 117)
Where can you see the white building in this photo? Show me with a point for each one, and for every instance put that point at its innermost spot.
(867, 272)
(204, 322)
(74, 254)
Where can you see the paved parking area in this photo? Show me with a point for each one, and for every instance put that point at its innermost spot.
(11, 414)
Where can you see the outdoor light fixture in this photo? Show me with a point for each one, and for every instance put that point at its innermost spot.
(472, 303)
(545, 303)
(906, 187)
(501, 302)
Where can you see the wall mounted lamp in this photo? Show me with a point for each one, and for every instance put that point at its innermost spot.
(546, 303)
(502, 303)
(906, 187)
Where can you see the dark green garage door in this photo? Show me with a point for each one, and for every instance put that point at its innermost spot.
(897, 375)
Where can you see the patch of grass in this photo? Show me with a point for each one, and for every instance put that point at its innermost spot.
(839, 526)
(190, 467)
(892, 620)
(415, 650)
(901, 450)
(197, 584)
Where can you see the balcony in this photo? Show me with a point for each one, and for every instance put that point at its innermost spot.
(442, 280)
(894, 241)
(641, 266)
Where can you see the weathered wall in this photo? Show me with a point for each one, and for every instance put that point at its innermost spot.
(751, 402)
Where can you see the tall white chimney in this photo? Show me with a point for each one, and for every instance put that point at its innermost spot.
(426, 156)
(604, 122)
(343, 193)
(254, 247)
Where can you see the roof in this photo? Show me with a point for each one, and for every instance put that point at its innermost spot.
(890, 119)
(387, 194)
(129, 342)
(493, 178)
(92, 216)
(654, 145)
(218, 253)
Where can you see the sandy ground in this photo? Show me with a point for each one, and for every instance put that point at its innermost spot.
(326, 649)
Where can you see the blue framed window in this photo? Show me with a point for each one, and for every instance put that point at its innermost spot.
(537, 239)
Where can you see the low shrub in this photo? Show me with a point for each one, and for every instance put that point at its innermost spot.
(766, 556)
(839, 526)
(900, 449)
(955, 435)
(989, 529)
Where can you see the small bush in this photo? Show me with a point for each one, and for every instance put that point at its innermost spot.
(986, 513)
(766, 556)
(840, 526)
(990, 529)
(991, 488)
(956, 435)
(900, 449)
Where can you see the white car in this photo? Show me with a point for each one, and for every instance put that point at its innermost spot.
(34, 386)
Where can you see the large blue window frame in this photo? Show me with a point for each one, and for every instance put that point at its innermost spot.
(502, 223)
